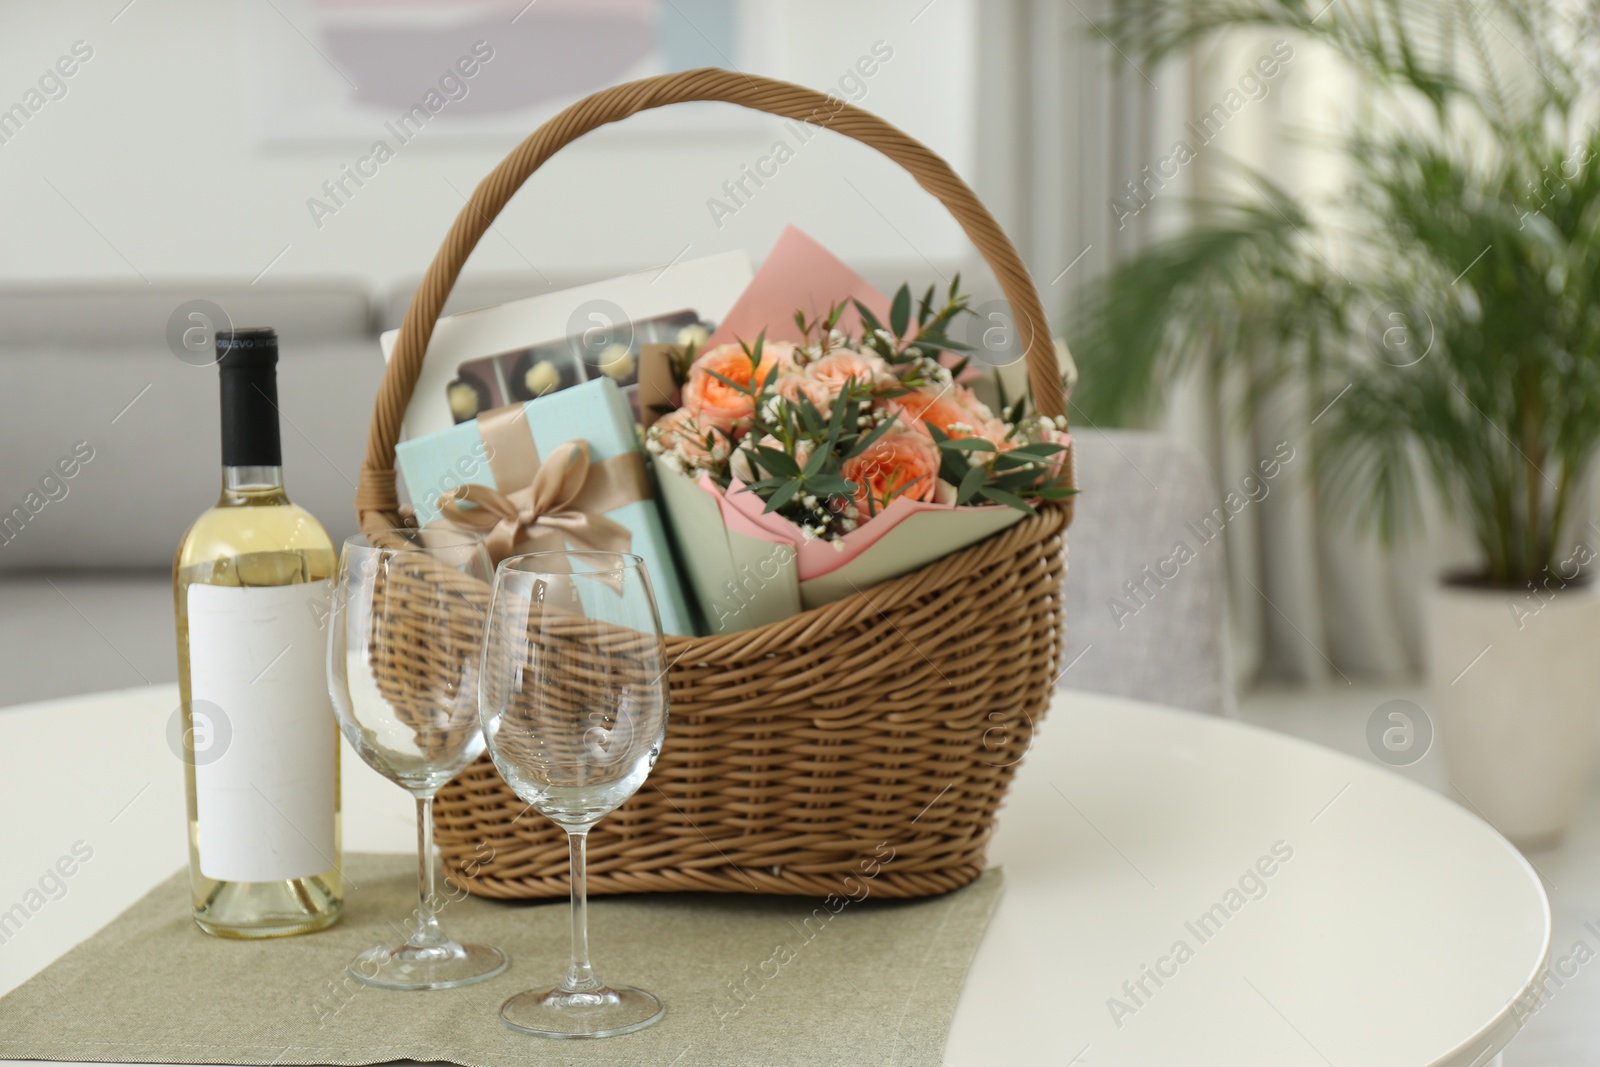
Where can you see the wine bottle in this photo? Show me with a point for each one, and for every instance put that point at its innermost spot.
(252, 581)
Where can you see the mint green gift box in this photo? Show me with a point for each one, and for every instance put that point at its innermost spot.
(594, 412)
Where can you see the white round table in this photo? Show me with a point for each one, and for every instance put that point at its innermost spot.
(1179, 890)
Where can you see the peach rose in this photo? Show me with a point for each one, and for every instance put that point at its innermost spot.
(710, 398)
(836, 370)
(955, 410)
(968, 400)
(681, 434)
(901, 463)
(794, 383)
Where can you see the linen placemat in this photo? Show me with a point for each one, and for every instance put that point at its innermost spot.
(746, 980)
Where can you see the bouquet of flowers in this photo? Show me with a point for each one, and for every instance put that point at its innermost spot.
(830, 431)
(833, 441)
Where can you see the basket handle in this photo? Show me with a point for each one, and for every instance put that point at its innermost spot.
(376, 499)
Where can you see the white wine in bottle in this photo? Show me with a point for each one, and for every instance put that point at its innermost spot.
(251, 583)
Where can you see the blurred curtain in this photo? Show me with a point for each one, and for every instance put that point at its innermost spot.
(1315, 598)
(1312, 597)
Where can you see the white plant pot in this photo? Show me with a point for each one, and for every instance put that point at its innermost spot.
(1514, 691)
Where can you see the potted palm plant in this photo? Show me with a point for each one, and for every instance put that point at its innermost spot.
(1455, 346)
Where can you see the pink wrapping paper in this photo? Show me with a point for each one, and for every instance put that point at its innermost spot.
(798, 274)
(742, 513)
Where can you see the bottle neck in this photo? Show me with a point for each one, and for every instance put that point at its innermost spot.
(250, 438)
(252, 485)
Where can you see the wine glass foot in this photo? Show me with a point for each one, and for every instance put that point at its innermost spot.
(436, 967)
(605, 1012)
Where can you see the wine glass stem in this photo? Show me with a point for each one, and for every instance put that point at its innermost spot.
(428, 932)
(580, 976)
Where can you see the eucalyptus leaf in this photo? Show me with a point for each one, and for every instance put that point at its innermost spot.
(1053, 492)
(967, 444)
(785, 493)
(900, 312)
(867, 316)
(1010, 500)
(778, 462)
(730, 383)
(969, 485)
(863, 443)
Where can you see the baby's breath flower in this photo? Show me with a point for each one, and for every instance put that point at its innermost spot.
(695, 335)
(934, 372)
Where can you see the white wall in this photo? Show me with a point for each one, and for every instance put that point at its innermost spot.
(152, 163)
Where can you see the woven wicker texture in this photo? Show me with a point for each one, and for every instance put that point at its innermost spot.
(798, 754)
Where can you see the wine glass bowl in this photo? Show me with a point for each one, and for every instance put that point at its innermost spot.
(574, 708)
(581, 726)
(412, 642)
(404, 649)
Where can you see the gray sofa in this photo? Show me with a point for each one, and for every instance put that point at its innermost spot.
(85, 584)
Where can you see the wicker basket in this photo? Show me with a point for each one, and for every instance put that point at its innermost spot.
(866, 743)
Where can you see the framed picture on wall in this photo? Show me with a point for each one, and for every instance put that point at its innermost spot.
(400, 71)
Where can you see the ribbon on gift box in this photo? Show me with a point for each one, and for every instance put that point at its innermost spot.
(555, 504)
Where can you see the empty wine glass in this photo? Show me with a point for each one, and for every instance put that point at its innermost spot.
(574, 706)
(404, 644)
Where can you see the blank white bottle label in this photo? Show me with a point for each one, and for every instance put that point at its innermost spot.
(264, 786)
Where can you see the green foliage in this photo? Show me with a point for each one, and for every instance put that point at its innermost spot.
(1458, 336)
(815, 493)
(898, 344)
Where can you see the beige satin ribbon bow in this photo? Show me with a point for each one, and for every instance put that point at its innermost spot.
(562, 507)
